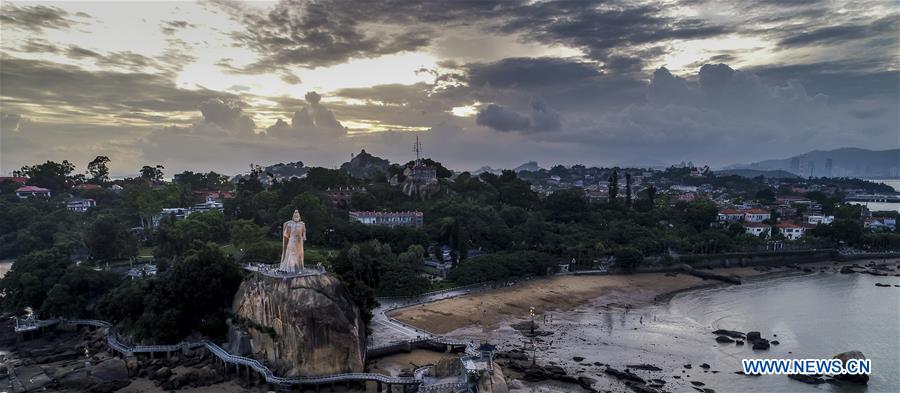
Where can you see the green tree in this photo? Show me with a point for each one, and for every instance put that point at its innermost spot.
(151, 173)
(108, 239)
(98, 170)
(245, 232)
(51, 175)
(629, 258)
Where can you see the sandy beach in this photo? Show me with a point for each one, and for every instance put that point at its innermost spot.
(615, 320)
(553, 294)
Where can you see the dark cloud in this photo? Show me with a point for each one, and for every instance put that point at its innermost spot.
(38, 17)
(542, 118)
(55, 87)
(842, 33)
(530, 72)
(502, 119)
(314, 34)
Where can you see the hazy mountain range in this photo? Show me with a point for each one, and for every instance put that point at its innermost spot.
(844, 162)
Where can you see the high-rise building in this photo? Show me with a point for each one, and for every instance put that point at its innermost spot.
(829, 167)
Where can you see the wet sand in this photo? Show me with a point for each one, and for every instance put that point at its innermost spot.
(588, 318)
(554, 294)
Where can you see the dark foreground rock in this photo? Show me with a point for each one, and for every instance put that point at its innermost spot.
(861, 379)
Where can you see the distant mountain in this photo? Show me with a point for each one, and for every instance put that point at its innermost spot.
(642, 163)
(751, 173)
(844, 162)
(530, 166)
(487, 169)
(365, 165)
(280, 171)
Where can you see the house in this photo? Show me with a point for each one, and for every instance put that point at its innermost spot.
(116, 188)
(756, 228)
(747, 215)
(790, 230)
(340, 197)
(731, 215)
(409, 218)
(13, 179)
(179, 213)
(32, 191)
(792, 200)
(80, 205)
(880, 223)
(816, 220)
(756, 215)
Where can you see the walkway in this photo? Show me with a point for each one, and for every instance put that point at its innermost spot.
(116, 344)
(272, 270)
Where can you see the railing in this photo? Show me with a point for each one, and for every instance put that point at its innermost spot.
(115, 343)
(269, 270)
(444, 387)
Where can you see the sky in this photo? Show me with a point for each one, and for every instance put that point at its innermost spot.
(218, 85)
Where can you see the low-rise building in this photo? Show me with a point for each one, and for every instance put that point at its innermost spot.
(880, 223)
(408, 218)
(80, 205)
(790, 230)
(756, 215)
(86, 187)
(32, 191)
(730, 215)
(816, 220)
(756, 228)
(13, 179)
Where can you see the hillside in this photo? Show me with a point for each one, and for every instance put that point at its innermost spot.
(844, 162)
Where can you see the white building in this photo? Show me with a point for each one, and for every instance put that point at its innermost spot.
(790, 231)
(756, 215)
(80, 205)
(756, 229)
(816, 220)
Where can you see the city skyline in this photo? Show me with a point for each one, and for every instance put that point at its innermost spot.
(219, 84)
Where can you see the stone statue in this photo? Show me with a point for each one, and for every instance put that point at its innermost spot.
(293, 236)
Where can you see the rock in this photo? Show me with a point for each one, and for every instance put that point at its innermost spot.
(761, 344)
(753, 336)
(515, 384)
(586, 382)
(557, 370)
(446, 367)
(729, 333)
(647, 367)
(163, 373)
(775, 342)
(687, 366)
(534, 374)
(878, 284)
(577, 358)
(739, 342)
(697, 383)
(810, 379)
(704, 365)
(112, 369)
(724, 339)
(302, 325)
(623, 375)
(861, 379)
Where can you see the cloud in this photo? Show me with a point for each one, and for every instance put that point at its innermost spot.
(542, 118)
(38, 17)
(9, 122)
(228, 115)
(312, 124)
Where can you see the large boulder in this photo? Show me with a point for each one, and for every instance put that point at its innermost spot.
(492, 383)
(302, 326)
(844, 357)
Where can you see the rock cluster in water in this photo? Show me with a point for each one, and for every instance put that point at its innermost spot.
(302, 326)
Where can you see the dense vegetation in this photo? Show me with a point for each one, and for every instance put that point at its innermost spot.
(519, 232)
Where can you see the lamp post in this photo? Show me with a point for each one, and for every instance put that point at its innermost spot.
(533, 346)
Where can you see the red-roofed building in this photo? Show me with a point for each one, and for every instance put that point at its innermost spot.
(32, 191)
(790, 230)
(14, 179)
(756, 215)
(414, 218)
(730, 215)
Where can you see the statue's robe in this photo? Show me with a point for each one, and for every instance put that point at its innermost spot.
(294, 234)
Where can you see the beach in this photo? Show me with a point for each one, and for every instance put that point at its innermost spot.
(619, 321)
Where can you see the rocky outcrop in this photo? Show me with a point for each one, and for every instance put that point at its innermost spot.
(492, 383)
(302, 326)
(365, 166)
(844, 357)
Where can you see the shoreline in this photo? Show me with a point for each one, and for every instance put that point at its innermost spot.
(564, 293)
